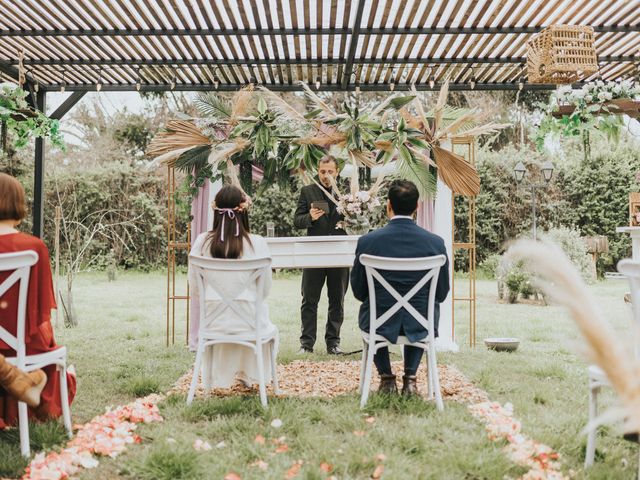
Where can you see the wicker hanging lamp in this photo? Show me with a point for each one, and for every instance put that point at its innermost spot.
(561, 54)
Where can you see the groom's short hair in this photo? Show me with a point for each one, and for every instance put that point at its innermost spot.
(403, 196)
(327, 159)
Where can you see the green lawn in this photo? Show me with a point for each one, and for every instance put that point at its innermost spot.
(119, 352)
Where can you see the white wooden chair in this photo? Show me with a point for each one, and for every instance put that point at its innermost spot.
(597, 378)
(20, 264)
(372, 341)
(258, 269)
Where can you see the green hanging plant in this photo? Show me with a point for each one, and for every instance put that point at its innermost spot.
(23, 122)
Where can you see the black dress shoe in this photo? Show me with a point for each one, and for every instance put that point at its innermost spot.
(335, 350)
(387, 384)
(305, 350)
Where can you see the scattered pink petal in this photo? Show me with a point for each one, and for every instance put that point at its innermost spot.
(359, 433)
(381, 457)
(276, 423)
(377, 473)
(282, 448)
(232, 476)
(259, 440)
(262, 465)
(294, 469)
(201, 446)
(326, 467)
(370, 419)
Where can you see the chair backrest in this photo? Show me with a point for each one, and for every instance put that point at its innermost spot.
(257, 269)
(631, 269)
(19, 263)
(431, 268)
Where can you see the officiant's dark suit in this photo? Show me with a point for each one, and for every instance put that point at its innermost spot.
(313, 279)
(400, 238)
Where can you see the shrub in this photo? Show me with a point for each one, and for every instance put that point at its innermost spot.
(569, 240)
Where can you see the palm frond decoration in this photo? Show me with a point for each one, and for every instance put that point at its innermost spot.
(413, 170)
(459, 175)
(241, 104)
(211, 105)
(178, 134)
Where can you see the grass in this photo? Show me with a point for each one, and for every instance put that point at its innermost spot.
(119, 352)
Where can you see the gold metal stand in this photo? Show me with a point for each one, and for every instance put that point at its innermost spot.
(173, 246)
(466, 147)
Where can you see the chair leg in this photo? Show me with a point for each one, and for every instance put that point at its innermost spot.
(430, 388)
(262, 384)
(593, 433)
(207, 366)
(64, 401)
(196, 373)
(365, 353)
(274, 367)
(368, 371)
(435, 379)
(23, 422)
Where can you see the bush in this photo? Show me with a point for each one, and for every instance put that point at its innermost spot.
(276, 204)
(569, 240)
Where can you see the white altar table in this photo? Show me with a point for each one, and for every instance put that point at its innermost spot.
(308, 252)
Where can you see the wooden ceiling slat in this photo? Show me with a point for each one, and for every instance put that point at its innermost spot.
(622, 14)
(250, 40)
(232, 47)
(366, 39)
(208, 23)
(165, 43)
(262, 39)
(344, 38)
(629, 47)
(272, 37)
(412, 13)
(293, 9)
(182, 43)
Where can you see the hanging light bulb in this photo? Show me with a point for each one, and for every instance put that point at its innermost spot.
(357, 86)
(521, 84)
(99, 83)
(472, 83)
(216, 82)
(392, 85)
(36, 87)
(432, 82)
(63, 83)
(317, 83)
(138, 80)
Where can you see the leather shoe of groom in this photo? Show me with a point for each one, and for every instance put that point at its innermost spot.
(409, 385)
(387, 384)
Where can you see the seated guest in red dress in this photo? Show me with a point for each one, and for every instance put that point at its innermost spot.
(40, 301)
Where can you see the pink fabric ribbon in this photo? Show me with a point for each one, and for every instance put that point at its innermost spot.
(230, 212)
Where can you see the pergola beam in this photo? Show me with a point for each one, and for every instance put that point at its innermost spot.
(379, 87)
(197, 32)
(299, 61)
(68, 104)
(38, 174)
(353, 45)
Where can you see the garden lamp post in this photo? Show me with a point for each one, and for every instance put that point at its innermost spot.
(520, 172)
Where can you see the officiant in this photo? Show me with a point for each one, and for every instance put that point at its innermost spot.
(317, 213)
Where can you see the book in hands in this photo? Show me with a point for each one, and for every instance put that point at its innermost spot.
(321, 205)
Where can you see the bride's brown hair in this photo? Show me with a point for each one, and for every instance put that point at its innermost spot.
(230, 223)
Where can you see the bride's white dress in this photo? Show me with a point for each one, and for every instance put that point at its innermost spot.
(222, 364)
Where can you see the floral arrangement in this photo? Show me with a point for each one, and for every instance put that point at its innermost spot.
(594, 107)
(20, 119)
(597, 92)
(106, 435)
(357, 209)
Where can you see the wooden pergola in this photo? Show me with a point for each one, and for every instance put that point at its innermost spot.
(334, 45)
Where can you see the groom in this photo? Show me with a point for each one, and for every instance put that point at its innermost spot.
(400, 238)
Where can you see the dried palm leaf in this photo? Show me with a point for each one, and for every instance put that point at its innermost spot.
(418, 102)
(327, 113)
(411, 120)
(469, 118)
(281, 106)
(354, 183)
(225, 150)
(241, 104)
(362, 158)
(323, 139)
(440, 104)
(459, 175)
(562, 283)
(178, 134)
(171, 156)
(482, 130)
(384, 145)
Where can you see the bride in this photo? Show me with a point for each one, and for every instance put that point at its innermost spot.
(231, 238)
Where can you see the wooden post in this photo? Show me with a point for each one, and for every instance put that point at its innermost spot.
(56, 239)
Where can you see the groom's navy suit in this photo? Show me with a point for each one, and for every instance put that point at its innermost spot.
(400, 238)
